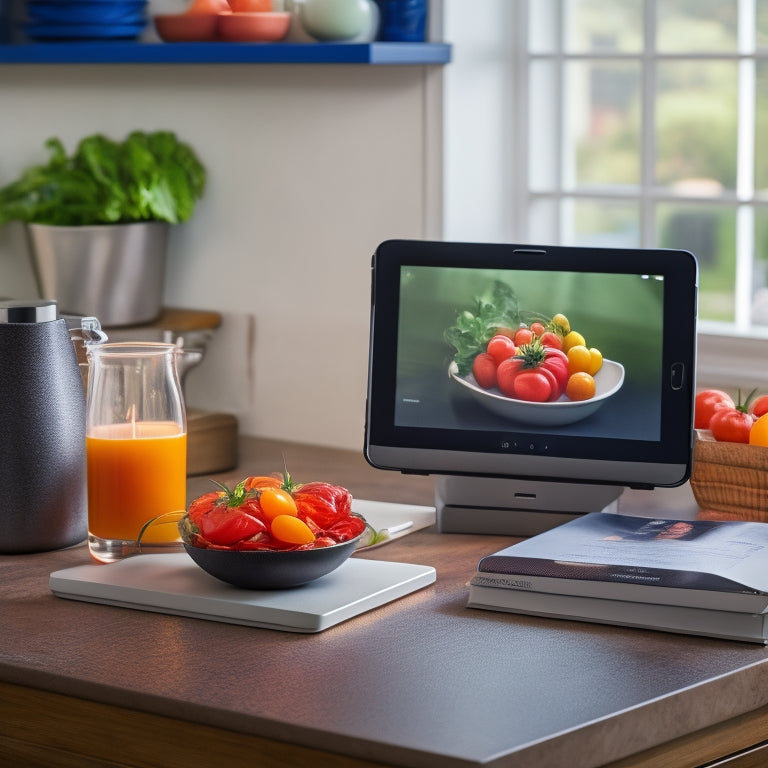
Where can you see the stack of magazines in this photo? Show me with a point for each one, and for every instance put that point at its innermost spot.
(699, 577)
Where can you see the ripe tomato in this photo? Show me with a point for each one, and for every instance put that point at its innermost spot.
(484, 370)
(324, 503)
(261, 481)
(758, 435)
(506, 373)
(581, 386)
(523, 335)
(227, 525)
(500, 347)
(573, 339)
(550, 339)
(537, 328)
(707, 402)
(276, 501)
(225, 517)
(579, 358)
(560, 322)
(759, 406)
(203, 504)
(291, 530)
(731, 425)
(557, 362)
(553, 382)
(595, 362)
(532, 385)
(347, 529)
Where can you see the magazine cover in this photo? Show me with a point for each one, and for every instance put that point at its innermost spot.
(723, 556)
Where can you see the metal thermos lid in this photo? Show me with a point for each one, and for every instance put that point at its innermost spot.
(35, 311)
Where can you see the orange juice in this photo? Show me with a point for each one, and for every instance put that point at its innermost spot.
(135, 472)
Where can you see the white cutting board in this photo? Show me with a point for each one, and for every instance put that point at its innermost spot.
(173, 583)
(397, 519)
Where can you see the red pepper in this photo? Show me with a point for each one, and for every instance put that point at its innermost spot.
(323, 503)
(347, 529)
(226, 525)
(227, 516)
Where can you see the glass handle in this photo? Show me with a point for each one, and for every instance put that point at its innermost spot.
(91, 330)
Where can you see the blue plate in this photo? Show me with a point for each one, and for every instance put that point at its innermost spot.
(78, 19)
(87, 13)
(70, 3)
(83, 31)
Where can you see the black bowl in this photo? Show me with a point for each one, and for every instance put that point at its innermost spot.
(268, 569)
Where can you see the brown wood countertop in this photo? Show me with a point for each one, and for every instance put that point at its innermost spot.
(421, 681)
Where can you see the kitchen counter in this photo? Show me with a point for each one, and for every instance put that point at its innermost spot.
(421, 681)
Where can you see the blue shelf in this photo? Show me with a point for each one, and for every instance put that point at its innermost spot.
(128, 52)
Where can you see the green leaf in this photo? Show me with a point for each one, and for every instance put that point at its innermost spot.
(497, 308)
(148, 176)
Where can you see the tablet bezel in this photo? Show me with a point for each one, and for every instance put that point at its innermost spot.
(616, 461)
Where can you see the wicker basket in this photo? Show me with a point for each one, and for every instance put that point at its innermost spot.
(730, 480)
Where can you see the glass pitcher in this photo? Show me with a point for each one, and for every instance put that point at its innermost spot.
(136, 448)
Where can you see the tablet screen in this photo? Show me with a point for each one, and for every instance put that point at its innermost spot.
(463, 379)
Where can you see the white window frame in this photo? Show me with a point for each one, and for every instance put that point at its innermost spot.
(487, 194)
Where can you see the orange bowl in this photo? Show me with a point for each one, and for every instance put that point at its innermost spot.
(253, 27)
(251, 6)
(187, 27)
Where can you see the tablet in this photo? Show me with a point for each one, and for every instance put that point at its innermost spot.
(432, 408)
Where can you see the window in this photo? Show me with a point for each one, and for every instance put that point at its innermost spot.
(624, 123)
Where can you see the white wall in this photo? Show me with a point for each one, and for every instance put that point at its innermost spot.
(310, 167)
(481, 121)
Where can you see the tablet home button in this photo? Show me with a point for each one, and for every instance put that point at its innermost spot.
(677, 375)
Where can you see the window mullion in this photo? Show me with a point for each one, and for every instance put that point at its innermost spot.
(648, 233)
(560, 96)
(519, 191)
(745, 174)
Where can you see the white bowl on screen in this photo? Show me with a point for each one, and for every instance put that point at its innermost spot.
(608, 381)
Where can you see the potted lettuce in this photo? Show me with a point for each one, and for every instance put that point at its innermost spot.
(98, 221)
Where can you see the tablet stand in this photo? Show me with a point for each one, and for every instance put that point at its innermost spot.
(513, 507)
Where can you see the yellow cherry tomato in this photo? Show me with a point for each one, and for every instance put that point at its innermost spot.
(276, 501)
(291, 530)
(596, 361)
(561, 321)
(580, 386)
(573, 339)
(758, 434)
(579, 359)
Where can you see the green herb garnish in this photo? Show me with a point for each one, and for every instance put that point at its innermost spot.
(474, 328)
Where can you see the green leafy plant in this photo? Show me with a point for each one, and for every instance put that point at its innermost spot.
(146, 177)
(498, 308)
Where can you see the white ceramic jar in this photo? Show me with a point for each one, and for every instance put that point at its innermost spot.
(337, 20)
